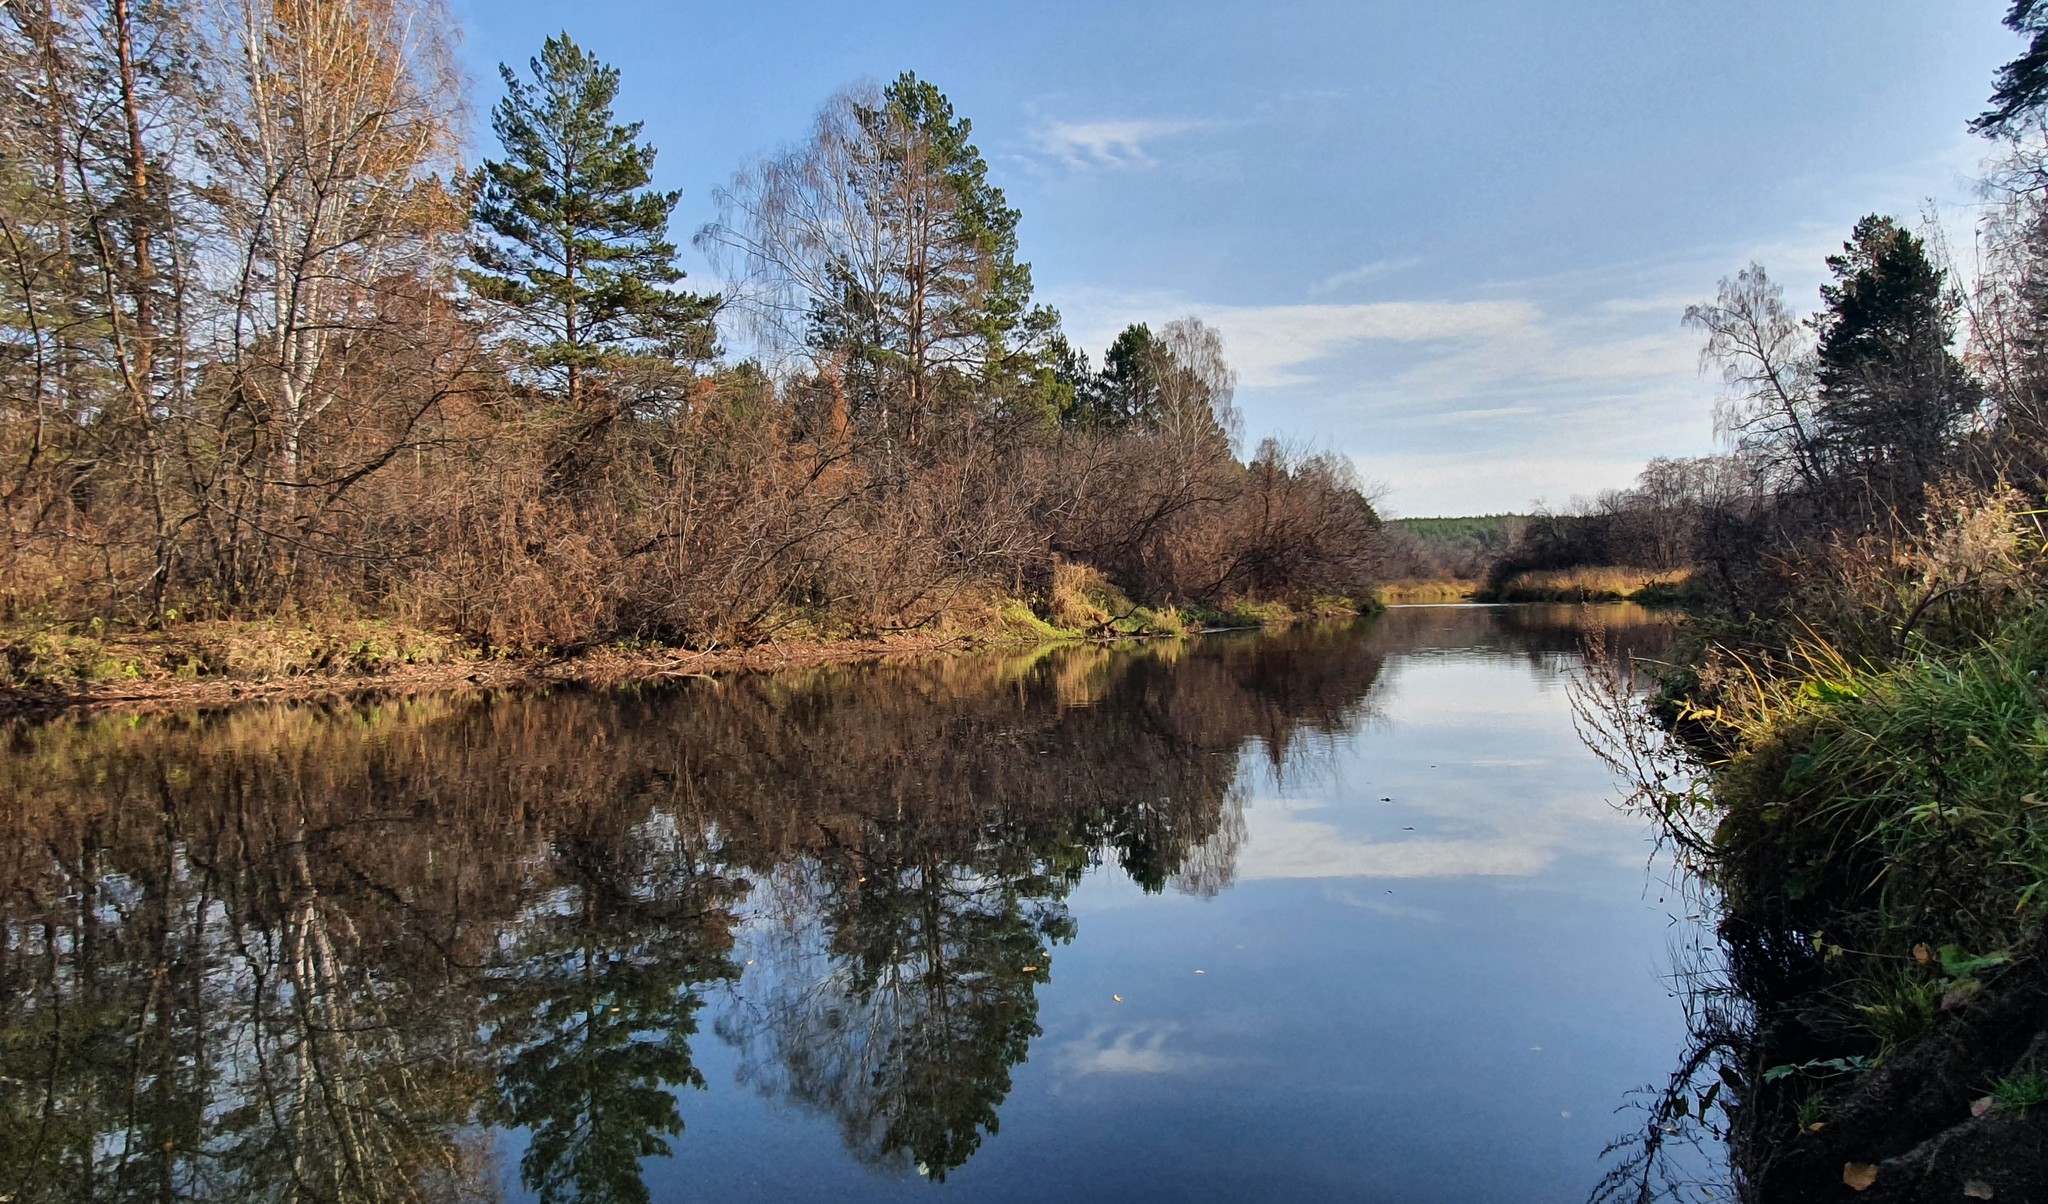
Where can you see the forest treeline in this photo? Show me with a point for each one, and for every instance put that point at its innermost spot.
(1858, 769)
(268, 345)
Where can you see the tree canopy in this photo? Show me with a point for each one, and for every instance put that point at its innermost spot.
(2021, 86)
(573, 241)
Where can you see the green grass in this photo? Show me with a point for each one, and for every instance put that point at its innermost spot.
(62, 658)
(1929, 778)
(1890, 812)
(1018, 620)
(2020, 1092)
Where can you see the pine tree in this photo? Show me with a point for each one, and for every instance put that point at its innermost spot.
(574, 245)
(1126, 394)
(2022, 87)
(1893, 395)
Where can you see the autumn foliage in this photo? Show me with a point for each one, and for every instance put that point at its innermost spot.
(268, 348)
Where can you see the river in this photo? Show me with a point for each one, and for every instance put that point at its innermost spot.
(1340, 912)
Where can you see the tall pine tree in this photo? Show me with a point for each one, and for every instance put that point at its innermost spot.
(1893, 395)
(573, 242)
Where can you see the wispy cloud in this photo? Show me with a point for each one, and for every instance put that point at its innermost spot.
(1541, 393)
(1359, 275)
(1272, 344)
(1139, 1050)
(1107, 143)
(1281, 843)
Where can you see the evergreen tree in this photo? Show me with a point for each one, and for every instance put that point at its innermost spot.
(1172, 383)
(1892, 393)
(881, 246)
(575, 243)
(956, 313)
(1060, 377)
(1126, 394)
(2022, 86)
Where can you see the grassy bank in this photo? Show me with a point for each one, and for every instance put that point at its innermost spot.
(1413, 593)
(1649, 587)
(1881, 842)
(46, 665)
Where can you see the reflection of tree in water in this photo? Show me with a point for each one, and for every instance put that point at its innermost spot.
(298, 953)
(907, 941)
(591, 1006)
(903, 1002)
(198, 1002)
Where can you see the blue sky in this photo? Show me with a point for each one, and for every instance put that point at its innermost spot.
(1452, 241)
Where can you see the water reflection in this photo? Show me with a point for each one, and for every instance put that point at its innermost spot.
(342, 952)
(462, 948)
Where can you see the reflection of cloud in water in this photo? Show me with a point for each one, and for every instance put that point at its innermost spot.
(1380, 905)
(1279, 843)
(1482, 695)
(1140, 1049)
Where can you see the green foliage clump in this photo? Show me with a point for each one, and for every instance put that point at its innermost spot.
(2020, 1092)
(1016, 619)
(1914, 792)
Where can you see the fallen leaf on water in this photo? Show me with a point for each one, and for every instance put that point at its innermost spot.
(1118, 998)
(1980, 1106)
(1977, 1189)
(1922, 954)
(1860, 1176)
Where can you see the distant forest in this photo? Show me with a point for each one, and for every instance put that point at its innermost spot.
(270, 346)
(1449, 549)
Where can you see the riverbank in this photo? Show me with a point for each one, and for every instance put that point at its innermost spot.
(1879, 838)
(1423, 593)
(1645, 587)
(52, 667)
(1593, 583)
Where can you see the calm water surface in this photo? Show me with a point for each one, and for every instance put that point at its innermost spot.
(1335, 914)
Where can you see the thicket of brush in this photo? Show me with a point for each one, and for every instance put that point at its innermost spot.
(268, 349)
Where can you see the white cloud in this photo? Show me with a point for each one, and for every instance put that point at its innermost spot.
(1359, 275)
(1272, 344)
(1138, 1050)
(1107, 143)
(1281, 843)
(1478, 482)
(1458, 405)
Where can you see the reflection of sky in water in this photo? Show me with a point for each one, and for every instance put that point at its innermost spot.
(1480, 784)
(1442, 997)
